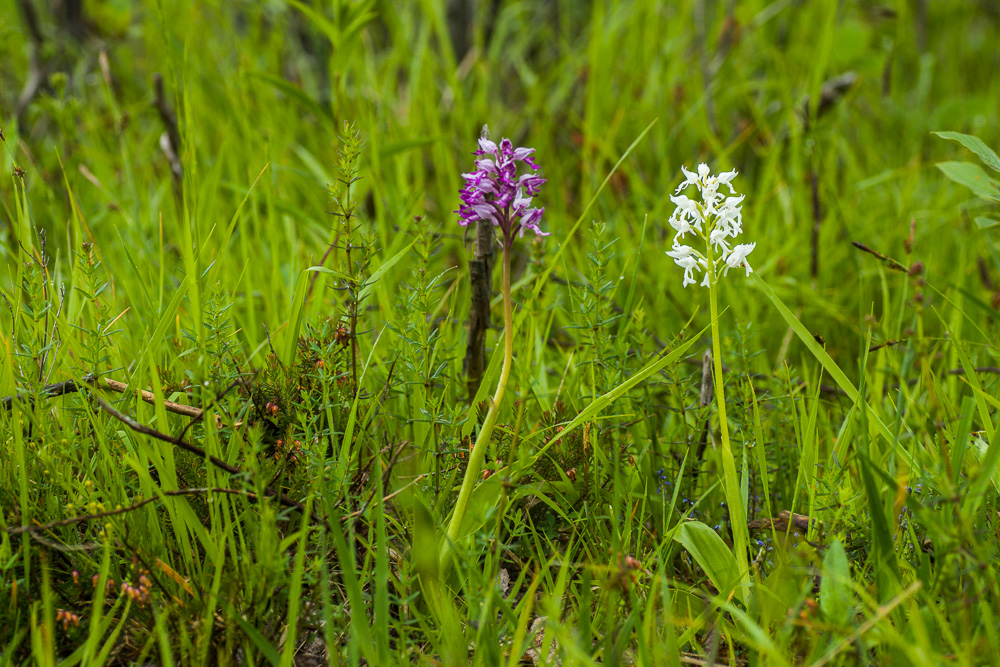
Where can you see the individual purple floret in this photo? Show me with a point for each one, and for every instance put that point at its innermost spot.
(495, 192)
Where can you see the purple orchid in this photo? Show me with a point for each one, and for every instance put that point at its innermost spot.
(495, 192)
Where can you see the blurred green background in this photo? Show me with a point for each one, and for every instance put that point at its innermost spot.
(738, 85)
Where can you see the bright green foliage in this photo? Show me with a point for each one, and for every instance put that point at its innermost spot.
(971, 175)
(249, 209)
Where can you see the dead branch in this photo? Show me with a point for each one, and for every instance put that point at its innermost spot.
(481, 283)
(201, 453)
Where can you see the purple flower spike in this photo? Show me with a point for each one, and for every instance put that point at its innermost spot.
(495, 192)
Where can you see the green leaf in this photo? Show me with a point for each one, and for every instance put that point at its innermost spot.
(314, 166)
(630, 299)
(343, 463)
(983, 222)
(324, 25)
(835, 586)
(976, 145)
(360, 626)
(973, 177)
(989, 457)
(295, 318)
(759, 637)
(330, 272)
(224, 241)
(382, 579)
(294, 601)
(355, 18)
(485, 383)
(884, 556)
(484, 496)
(712, 554)
(961, 437)
(972, 377)
(381, 271)
(296, 315)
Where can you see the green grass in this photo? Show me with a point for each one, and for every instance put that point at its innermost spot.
(859, 396)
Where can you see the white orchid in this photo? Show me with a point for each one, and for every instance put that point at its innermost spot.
(738, 258)
(687, 216)
(718, 239)
(690, 178)
(688, 259)
(726, 178)
(717, 218)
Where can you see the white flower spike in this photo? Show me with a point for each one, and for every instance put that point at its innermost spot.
(718, 219)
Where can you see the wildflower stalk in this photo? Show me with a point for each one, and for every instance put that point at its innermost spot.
(717, 220)
(495, 192)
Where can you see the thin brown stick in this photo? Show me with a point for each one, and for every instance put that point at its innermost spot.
(71, 387)
(84, 546)
(984, 272)
(832, 91)
(799, 523)
(888, 261)
(177, 442)
(150, 397)
(172, 146)
(194, 413)
(481, 293)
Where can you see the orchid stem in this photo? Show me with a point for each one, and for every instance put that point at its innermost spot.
(478, 453)
(731, 486)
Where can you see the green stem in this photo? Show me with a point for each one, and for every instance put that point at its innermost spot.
(731, 486)
(486, 430)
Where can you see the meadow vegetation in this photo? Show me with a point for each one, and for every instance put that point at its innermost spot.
(243, 422)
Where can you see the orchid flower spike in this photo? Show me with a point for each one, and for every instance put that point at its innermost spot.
(495, 191)
(716, 218)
